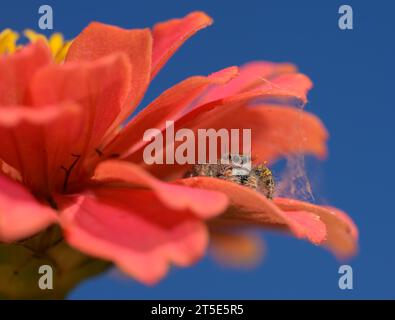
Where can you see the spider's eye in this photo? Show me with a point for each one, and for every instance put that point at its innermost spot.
(237, 159)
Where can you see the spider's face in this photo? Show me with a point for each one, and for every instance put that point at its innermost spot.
(259, 177)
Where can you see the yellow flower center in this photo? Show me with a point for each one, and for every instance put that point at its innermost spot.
(56, 43)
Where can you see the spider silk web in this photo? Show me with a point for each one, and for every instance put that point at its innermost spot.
(292, 180)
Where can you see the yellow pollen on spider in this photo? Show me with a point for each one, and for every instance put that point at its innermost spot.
(56, 43)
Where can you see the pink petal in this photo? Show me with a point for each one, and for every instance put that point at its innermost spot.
(10, 171)
(203, 203)
(17, 70)
(297, 83)
(251, 75)
(342, 234)
(98, 40)
(21, 215)
(101, 88)
(170, 35)
(213, 115)
(168, 106)
(133, 229)
(276, 131)
(36, 144)
(250, 207)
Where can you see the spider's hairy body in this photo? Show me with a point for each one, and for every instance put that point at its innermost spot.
(259, 177)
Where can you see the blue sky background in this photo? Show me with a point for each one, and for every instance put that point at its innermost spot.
(353, 73)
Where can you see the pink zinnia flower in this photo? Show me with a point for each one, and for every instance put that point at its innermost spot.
(66, 159)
